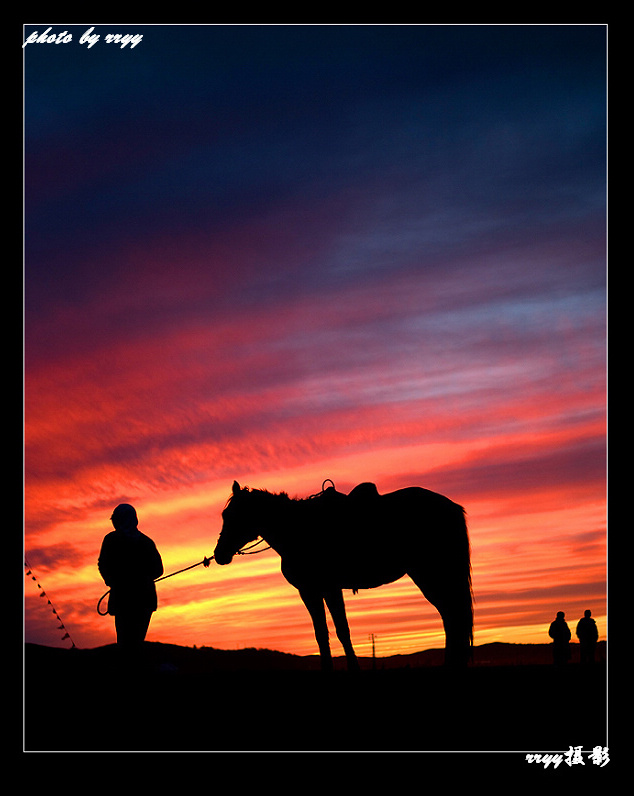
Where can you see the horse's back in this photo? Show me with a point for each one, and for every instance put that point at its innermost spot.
(425, 528)
(383, 534)
(369, 539)
(366, 516)
(420, 496)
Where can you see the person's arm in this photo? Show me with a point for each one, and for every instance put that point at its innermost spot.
(104, 563)
(156, 563)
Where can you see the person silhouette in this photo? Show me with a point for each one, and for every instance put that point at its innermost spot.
(560, 634)
(588, 636)
(129, 563)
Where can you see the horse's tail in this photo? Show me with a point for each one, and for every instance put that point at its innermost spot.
(465, 565)
(460, 594)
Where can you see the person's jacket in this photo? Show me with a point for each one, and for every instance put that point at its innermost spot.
(129, 563)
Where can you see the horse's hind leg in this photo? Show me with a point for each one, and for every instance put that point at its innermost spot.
(337, 608)
(456, 619)
(314, 602)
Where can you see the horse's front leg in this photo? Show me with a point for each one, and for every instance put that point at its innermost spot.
(337, 608)
(314, 602)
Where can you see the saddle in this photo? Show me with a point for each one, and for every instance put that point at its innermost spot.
(358, 509)
(350, 517)
(365, 492)
(362, 494)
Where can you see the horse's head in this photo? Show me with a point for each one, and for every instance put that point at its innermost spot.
(239, 524)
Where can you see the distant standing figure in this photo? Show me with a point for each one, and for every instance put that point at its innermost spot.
(588, 636)
(130, 563)
(560, 634)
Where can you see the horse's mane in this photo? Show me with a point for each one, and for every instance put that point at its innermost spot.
(253, 491)
(283, 495)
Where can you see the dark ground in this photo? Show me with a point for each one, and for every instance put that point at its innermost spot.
(184, 699)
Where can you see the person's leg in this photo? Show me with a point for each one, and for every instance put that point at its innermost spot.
(131, 627)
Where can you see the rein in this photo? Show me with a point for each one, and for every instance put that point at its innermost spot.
(245, 551)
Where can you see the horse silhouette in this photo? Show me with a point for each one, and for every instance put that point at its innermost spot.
(332, 541)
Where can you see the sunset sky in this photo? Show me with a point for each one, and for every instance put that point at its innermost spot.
(281, 254)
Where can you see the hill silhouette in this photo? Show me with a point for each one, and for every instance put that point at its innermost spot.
(191, 699)
(175, 658)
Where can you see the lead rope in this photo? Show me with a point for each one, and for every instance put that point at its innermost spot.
(205, 562)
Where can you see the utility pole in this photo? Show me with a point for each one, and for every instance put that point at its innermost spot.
(371, 636)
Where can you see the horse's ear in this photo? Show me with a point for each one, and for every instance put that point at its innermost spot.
(236, 487)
